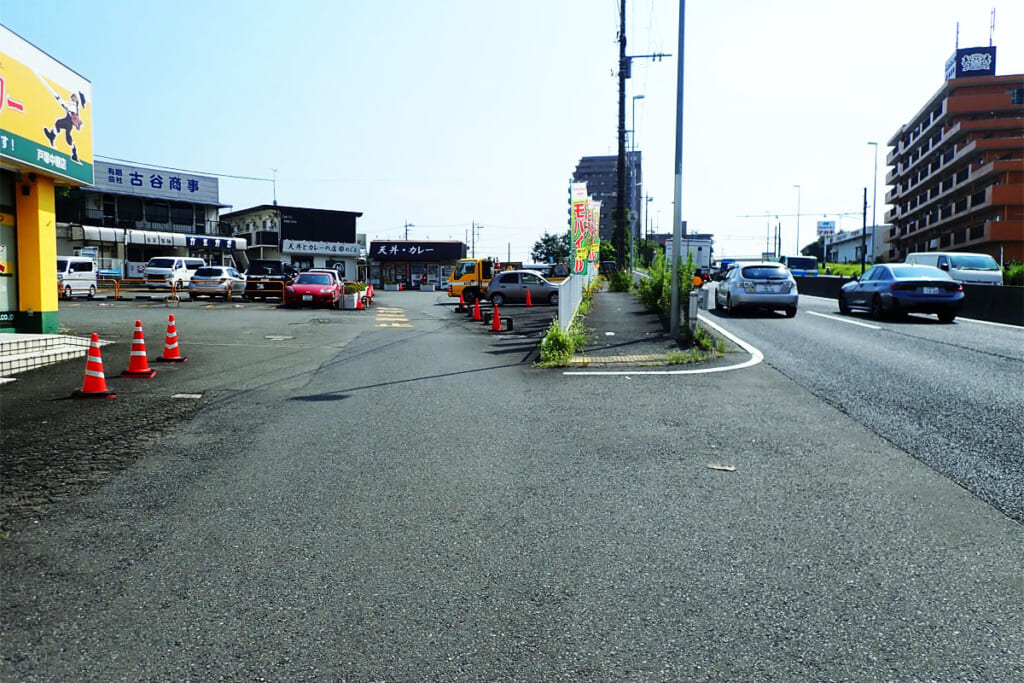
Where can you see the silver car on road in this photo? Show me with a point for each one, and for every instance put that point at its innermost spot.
(764, 285)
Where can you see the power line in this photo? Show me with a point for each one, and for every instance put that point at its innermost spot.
(184, 170)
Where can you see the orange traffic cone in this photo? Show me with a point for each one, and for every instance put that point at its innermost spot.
(370, 290)
(496, 322)
(95, 384)
(138, 365)
(359, 301)
(476, 310)
(172, 354)
(528, 302)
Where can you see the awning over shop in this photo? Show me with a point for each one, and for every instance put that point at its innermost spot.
(93, 233)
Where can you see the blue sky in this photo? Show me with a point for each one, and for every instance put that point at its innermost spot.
(441, 114)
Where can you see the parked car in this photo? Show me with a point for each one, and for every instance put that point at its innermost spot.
(216, 281)
(511, 286)
(901, 288)
(267, 278)
(313, 289)
(76, 275)
(164, 272)
(763, 285)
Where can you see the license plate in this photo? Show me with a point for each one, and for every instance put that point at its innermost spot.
(766, 288)
(307, 297)
(931, 290)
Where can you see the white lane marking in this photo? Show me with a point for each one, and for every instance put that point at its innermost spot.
(755, 358)
(829, 316)
(989, 322)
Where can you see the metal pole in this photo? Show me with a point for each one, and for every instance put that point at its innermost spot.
(874, 201)
(677, 210)
(864, 232)
(797, 220)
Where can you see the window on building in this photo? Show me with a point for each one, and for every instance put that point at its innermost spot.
(181, 214)
(1017, 96)
(157, 212)
(129, 209)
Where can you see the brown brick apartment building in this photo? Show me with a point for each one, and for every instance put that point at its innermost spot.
(957, 172)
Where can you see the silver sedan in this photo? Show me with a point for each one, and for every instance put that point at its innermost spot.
(762, 285)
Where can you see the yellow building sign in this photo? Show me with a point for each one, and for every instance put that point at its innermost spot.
(45, 113)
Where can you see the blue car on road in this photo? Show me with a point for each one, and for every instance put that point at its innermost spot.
(902, 288)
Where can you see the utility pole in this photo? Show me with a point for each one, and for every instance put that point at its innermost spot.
(625, 64)
(407, 226)
(620, 169)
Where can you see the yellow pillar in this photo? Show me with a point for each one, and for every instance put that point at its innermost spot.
(37, 254)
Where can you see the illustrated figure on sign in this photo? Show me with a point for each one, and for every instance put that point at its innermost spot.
(71, 120)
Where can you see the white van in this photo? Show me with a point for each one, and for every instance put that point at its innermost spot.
(163, 271)
(76, 275)
(975, 269)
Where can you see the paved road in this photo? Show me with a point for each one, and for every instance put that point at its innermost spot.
(950, 395)
(402, 496)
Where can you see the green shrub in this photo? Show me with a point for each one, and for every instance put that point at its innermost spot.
(1013, 275)
(558, 347)
(620, 281)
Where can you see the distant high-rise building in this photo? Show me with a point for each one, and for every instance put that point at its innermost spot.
(600, 175)
(957, 168)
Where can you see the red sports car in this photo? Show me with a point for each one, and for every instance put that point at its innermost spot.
(313, 289)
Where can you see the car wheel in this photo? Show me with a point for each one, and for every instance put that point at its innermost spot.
(718, 304)
(553, 299)
(728, 304)
(469, 296)
(947, 317)
(498, 299)
(877, 311)
(844, 307)
(67, 292)
(92, 291)
(791, 312)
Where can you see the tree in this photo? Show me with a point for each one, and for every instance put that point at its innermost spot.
(551, 248)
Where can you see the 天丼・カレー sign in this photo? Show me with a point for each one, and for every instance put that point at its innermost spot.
(417, 251)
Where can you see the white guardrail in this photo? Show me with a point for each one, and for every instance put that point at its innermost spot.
(570, 296)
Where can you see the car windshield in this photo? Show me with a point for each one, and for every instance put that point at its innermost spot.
(464, 268)
(973, 262)
(160, 263)
(919, 271)
(765, 273)
(313, 279)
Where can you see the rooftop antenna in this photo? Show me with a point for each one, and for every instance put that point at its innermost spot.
(958, 35)
(992, 27)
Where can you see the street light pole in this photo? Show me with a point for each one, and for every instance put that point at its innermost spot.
(874, 201)
(797, 219)
(633, 186)
(407, 226)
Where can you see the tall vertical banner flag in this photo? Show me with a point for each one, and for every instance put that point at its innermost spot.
(45, 112)
(595, 231)
(580, 248)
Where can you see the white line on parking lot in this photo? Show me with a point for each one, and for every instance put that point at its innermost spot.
(755, 358)
(831, 316)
